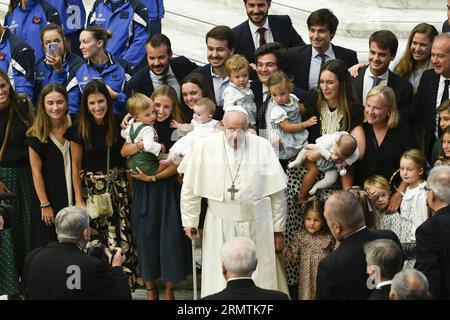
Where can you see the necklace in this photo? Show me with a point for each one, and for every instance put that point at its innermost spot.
(233, 190)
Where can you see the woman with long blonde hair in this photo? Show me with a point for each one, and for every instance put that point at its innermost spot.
(49, 154)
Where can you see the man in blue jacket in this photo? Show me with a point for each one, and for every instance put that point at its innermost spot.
(17, 60)
(155, 13)
(128, 23)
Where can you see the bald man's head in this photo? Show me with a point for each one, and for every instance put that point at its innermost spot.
(343, 209)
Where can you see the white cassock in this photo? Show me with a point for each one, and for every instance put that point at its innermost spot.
(258, 210)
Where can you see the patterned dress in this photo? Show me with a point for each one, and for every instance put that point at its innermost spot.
(308, 249)
(294, 222)
(15, 174)
(114, 230)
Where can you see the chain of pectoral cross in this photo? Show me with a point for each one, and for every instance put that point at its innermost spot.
(233, 189)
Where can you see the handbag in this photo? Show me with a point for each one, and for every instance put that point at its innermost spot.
(100, 205)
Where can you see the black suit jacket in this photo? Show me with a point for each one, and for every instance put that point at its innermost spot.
(206, 71)
(342, 274)
(424, 107)
(300, 62)
(402, 88)
(245, 289)
(257, 86)
(433, 252)
(282, 30)
(47, 272)
(380, 293)
(141, 81)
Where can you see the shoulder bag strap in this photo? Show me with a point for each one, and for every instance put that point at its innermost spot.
(107, 169)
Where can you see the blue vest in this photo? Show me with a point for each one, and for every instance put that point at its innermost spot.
(45, 74)
(17, 60)
(155, 9)
(113, 75)
(128, 25)
(29, 22)
(72, 13)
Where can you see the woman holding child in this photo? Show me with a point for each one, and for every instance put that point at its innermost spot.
(335, 107)
(156, 213)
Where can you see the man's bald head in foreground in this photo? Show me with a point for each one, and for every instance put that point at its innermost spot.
(343, 214)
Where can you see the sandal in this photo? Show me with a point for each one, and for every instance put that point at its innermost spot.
(153, 294)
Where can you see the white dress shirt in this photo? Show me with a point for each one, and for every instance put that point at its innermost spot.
(368, 82)
(255, 34)
(171, 80)
(316, 61)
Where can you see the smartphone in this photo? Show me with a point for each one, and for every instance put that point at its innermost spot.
(52, 48)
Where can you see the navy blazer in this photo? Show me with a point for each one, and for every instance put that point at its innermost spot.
(403, 90)
(342, 275)
(141, 81)
(433, 252)
(206, 71)
(282, 31)
(424, 107)
(300, 62)
(245, 289)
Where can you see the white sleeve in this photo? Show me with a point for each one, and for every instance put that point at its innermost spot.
(190, 207)
(279, 210)
(420, 208)
(277, 114)
(148, 137)
(125, 133)
(228, 97)
(325, 143)
(353, 158)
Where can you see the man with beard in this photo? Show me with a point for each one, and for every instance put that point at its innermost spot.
(220, 46)
(161, 68)
(270, 58)
(262, 28)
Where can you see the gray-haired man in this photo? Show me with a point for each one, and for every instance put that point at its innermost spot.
(63, 271)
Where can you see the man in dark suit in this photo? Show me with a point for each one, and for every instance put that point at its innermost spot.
(239, 260)
(63, 271)
(220, 43)
(270, 58)
(305, 62)
(342, 275)
(384, 259)
(262, 28)
(383, 46)
(161, 68)
(433, 236)
(432, 91)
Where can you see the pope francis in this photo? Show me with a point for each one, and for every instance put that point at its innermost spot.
(240, 175)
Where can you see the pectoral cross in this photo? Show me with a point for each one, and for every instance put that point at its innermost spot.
(232, 190)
